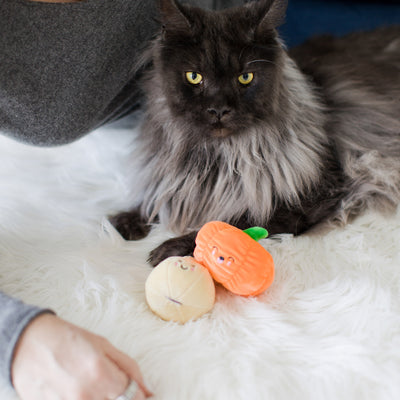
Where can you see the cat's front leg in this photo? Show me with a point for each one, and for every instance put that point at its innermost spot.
(131, 224)
(179, 246)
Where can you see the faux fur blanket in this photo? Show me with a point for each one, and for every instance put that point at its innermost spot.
(327, 328)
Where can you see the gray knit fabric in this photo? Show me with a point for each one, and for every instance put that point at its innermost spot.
(66, 69)
(14, 316)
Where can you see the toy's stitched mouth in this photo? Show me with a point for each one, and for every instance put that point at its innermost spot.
(173, 300)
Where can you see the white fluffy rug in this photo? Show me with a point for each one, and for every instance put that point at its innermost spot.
(328, 328)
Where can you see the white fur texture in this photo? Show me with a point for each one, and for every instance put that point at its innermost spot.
(328, 328)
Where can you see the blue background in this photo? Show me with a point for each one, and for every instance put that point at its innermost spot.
(305, 18)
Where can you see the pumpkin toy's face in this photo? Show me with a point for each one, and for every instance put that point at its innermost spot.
(234, 259)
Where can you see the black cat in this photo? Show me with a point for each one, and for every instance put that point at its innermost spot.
(239, 129)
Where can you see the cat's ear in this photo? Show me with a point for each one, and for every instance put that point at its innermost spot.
(268, 14)
(173, 17)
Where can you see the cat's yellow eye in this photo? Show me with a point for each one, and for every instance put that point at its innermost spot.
(194, 77)
(246, 78)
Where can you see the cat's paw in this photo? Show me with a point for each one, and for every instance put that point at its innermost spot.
(180, 246)
(130, 225)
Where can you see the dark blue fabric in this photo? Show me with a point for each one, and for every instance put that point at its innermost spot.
(306, 18)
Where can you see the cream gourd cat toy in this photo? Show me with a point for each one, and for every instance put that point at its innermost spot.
(182, 288)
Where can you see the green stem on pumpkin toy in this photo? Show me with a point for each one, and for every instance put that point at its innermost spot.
(257, 233)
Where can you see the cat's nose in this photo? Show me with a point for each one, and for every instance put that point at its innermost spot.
(219, 112)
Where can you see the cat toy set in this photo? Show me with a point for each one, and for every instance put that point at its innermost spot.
(182, 288)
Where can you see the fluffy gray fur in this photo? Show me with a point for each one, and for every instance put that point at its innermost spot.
(338, 93)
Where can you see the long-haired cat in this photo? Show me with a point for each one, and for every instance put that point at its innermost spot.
(238, 129)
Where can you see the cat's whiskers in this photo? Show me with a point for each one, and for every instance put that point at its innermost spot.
(262, 60)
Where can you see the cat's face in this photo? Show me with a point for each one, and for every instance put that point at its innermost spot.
(219, 70)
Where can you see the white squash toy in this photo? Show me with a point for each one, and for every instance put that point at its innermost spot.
(180, 289)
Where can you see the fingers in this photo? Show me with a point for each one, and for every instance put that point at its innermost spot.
(111, 380)
(140, 396)
(134, 390)
(129, 366)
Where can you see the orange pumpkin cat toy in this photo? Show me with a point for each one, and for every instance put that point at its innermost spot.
(235, 258)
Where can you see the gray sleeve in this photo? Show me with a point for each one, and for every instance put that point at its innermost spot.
(67, 68)
(14, 317)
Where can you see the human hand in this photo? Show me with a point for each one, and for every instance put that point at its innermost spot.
(57, 360)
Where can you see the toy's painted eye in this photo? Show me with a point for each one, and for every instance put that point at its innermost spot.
(246, 78)
(192, 267)
(184, 267)
(214, 250)
(230, 261)
(194, 77)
